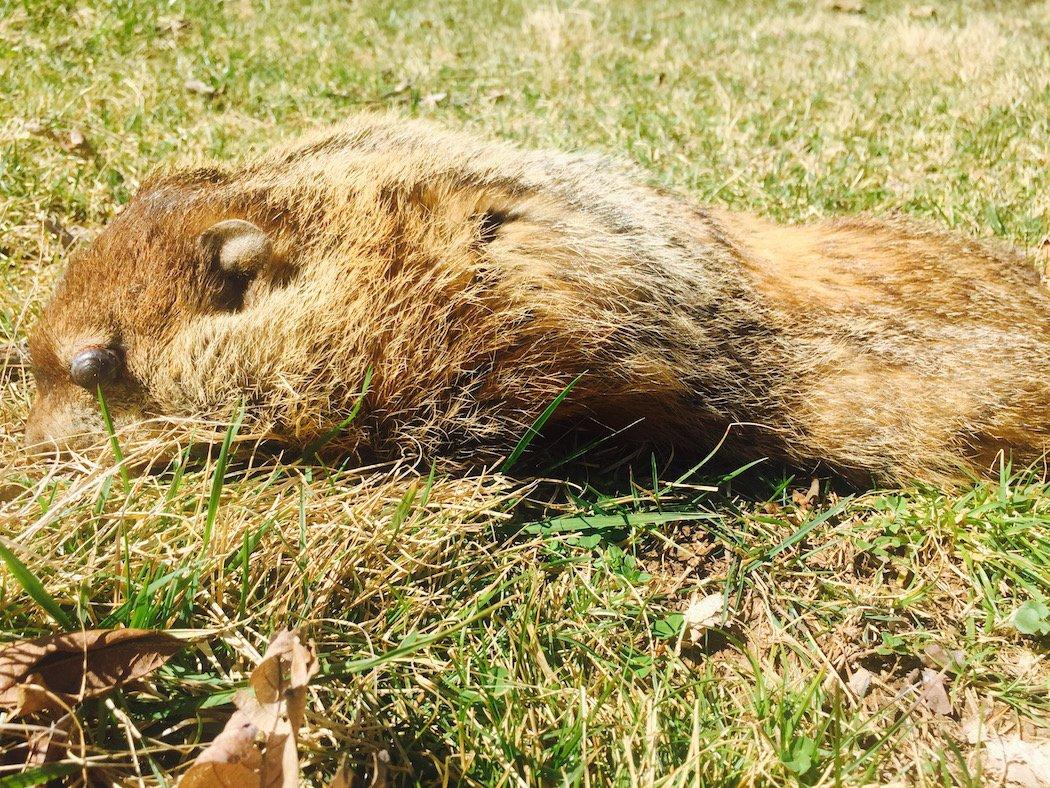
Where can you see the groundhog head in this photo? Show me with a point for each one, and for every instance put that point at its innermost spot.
(467, 282)
(155, 285)
(282, 293)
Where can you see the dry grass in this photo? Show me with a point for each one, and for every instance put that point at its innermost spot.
(473, 629)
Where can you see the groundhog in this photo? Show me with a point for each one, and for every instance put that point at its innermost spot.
(473, 282)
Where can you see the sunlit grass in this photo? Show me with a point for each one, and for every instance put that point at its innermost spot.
(489, 629)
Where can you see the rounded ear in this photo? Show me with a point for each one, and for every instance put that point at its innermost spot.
(237, 246)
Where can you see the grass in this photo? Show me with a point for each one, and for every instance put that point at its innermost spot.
(491, 630)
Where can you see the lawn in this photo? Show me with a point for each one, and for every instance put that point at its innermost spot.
(504, 630)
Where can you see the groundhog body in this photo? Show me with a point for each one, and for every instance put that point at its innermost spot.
(477, 281)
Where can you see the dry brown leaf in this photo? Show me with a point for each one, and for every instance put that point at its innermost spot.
(50, 744)
(232, 759)
(199, 87)
(933, 692)
(1019, 763)
(280, 767)
(261, 736)
(342, 777)
(285, 670)
(55, 671)
(700, 615)
(860, 682)
(280, 688)
(804, 499)
(433, 99)
(939, 657)
(1012, 761)
(220, 775)
(77, 143)
(33, 744)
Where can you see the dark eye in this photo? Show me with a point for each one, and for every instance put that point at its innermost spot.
(94, 365)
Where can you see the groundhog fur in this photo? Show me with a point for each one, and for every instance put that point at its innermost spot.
(477, 281)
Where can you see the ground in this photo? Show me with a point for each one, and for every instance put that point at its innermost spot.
(473, 629)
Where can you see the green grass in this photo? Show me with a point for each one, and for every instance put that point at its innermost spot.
(485, 629)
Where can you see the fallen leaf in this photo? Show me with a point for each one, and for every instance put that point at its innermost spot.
(1010, 760)
(702, 614)
(860, 682)
(280, 686)
(804, 499)
(50, 744)
(232, 759)
(74, 141)
(259, 745)
(939, 657)
(220, 775)
(285, 670)
(431, 100)
(1020, 763)
(342, 777)
(58, 670)
(199, 87)
(933, 692)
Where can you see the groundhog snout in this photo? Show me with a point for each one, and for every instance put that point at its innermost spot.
(56, 427)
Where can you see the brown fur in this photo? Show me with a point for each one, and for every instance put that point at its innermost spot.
(478, 280)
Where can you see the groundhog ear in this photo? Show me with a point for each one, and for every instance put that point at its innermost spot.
(237, 246)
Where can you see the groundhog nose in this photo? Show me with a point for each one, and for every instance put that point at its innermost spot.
(94, 365)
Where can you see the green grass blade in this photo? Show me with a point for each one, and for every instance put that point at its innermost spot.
(580, 452)
(800, 534)
(310, 452)
(39, 775)
(533, 431)
(219, 476)
(32, 585)
(599, 522)
(245, 577)
(411, 646)
(114, 444)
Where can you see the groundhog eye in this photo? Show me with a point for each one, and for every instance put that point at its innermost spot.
(94, 365)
